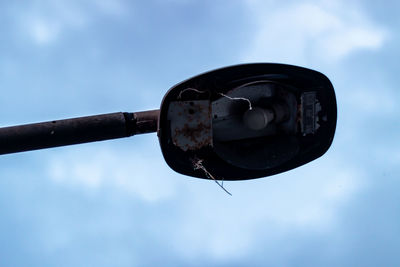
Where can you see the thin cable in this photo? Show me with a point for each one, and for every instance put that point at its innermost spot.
(238, 98)
(191, 89)
(198, 165)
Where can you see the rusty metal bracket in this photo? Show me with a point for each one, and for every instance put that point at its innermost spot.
(190, 124)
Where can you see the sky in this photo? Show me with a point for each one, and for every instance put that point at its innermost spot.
(116, 203)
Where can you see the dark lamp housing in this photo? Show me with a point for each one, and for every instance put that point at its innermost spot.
(247, 121)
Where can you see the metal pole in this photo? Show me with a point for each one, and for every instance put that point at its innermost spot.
(76, 131)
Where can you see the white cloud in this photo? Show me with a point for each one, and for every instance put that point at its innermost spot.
(207, 222)
(43, 32)
(371, 101)
(46, 21)
(301, 33)
(226, 228)
(111, 7)
(130, 173)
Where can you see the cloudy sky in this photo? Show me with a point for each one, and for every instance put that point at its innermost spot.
(116, 203)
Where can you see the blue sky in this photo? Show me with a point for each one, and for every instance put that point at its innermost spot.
(116, 203)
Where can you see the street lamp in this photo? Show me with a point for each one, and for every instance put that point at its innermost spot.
(234, 123)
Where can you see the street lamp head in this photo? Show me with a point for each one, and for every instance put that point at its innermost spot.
(247, 121)
(235, 123)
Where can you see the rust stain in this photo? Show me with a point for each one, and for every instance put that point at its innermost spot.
(191, 129)
(199, 136)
